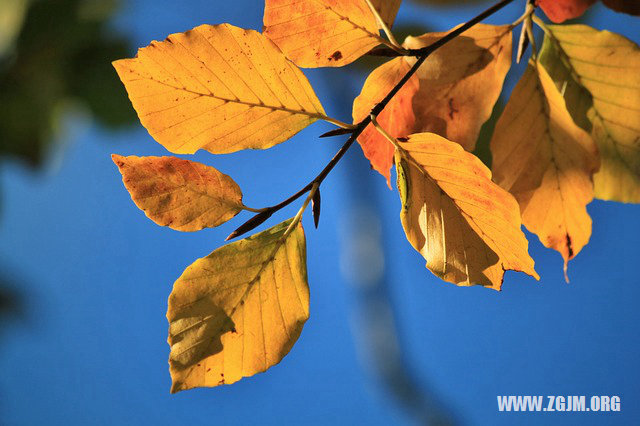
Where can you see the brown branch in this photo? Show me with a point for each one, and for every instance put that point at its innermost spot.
(421, 55)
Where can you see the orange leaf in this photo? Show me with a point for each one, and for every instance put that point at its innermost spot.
(561, 10)
(321, 33)
(465, 226)
(183, 195)
(397, 118)
(461, 82)
(547, 162)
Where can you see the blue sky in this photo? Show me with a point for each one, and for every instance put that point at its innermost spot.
(95, 275)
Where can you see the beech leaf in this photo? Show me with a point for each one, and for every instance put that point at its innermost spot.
(561, 10)
(220, 88)
(238, 311)
(461, 82)
(465, 226)
(322, 33)
(387, 9)
(181, 194)
(397, 118)
(606, 65)
(547, 162)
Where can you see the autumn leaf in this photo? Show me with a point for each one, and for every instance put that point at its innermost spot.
(561, 10)
(546, 161)
(238, 311)
(461, 82)
(606, 65)
(465, 226)
(220, 88)
(181, 194)
(397, 118)
(323, 33)
(387, 10)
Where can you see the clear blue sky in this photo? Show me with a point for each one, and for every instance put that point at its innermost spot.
(95, 275)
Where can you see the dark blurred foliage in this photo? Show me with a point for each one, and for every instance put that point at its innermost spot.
(62, 55)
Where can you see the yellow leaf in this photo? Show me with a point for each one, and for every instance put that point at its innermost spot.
(546, 161)
(387, 9)
(238, 311)
(608, 66)
(183, 195)
(461, 82)
(321, 33)
(465, 226)
(218, 88)
(397, 117)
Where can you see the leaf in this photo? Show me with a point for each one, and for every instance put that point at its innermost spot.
(220, 88)
(625, 6)
(397, 118)
(238, 311)
(461, 82)
(387, 9)
(183, 195)
(465, 226)
(606, 64)
(561, 10)
(546, 161)
(577, 99)
(321, 33)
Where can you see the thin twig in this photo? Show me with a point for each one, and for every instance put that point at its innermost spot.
(421, 54)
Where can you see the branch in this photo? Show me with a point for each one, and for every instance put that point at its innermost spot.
(421, 55)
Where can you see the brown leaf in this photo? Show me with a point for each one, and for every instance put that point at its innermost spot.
(465, 226)
(183, 195)
(461, 82)
(547, 162)
(397, 118)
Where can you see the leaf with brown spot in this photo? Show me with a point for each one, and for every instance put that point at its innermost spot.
(465, 226)
(547, 162)
(461, 82)
(238, 311)
(397, 118)
(183, 195)
(220, 88)
(322, 33)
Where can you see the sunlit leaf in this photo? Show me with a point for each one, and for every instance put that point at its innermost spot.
(183, 195)
(465, 226)
(220, 88)
(238, 311)
(461, 82)
(607, 65)
(546, 161)
(397, 118)
(321, 33)
(387, 9)
(561, 10)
